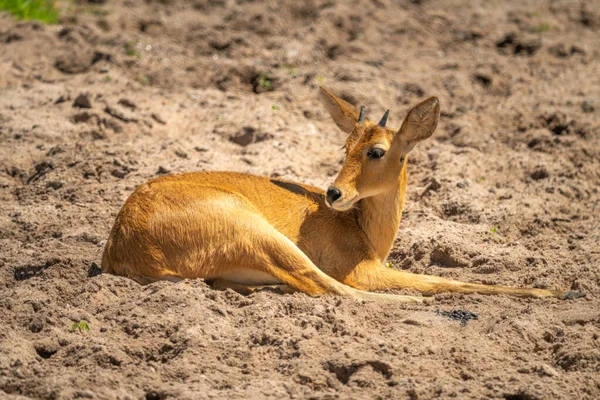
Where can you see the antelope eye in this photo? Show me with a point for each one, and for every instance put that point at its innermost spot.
(376, 153)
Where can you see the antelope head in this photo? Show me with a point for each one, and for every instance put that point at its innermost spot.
(375, 154)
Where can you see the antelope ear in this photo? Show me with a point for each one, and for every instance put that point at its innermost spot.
(421, 121)
(344, 114)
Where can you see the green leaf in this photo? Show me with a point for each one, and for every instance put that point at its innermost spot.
(290, 70)
(82, 326)
(129, 48)
(41, 10)
(542, 27)
(264, 81)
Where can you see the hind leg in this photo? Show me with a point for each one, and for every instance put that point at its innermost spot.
(376, 277)
(242, 237)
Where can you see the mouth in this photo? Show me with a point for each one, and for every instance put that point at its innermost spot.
(345, 206)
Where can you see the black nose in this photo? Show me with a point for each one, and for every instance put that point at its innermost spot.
(333, 194)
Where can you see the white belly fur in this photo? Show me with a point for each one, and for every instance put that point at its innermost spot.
(248, 276)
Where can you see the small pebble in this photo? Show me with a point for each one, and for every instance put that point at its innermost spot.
(587, 106)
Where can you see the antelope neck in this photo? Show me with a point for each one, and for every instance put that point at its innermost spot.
(379, 216)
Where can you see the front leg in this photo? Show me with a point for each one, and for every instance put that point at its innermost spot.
(372, 275)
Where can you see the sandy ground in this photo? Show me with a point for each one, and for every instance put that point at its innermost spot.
(506, 192)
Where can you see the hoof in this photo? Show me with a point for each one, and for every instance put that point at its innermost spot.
(574, 295)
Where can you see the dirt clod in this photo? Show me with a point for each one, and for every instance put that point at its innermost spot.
(82, 101)
(540, 173)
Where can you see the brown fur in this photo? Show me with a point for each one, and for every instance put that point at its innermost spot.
(243, 231)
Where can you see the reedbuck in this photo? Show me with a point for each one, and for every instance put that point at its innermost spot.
(246, 232)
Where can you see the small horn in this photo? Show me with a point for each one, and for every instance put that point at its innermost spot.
(384, 119)
(361, 116)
